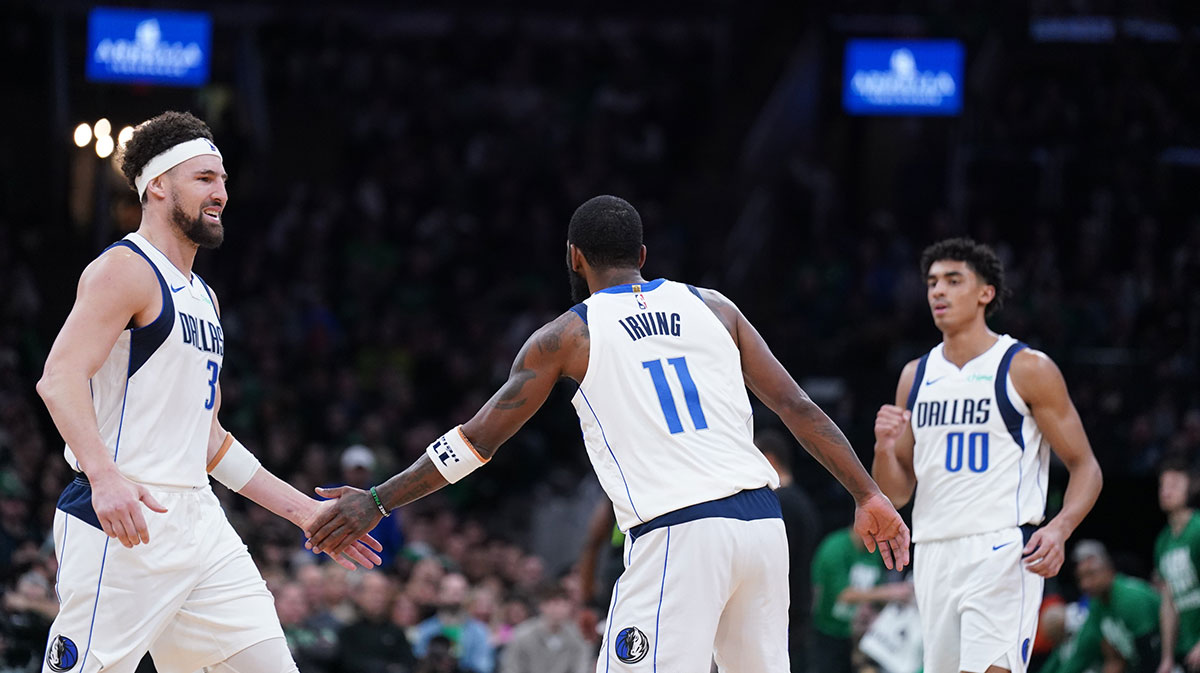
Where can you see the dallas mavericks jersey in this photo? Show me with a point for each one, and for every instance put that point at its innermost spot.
(979, 458)
(155, 393)
(664, 411)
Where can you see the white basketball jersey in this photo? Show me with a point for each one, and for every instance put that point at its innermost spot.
(154, 395)
(979, 457)
(664, 411)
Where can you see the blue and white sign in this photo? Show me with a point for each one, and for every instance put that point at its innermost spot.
(148, 47)
(903, 77)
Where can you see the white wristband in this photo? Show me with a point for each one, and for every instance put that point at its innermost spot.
(233, 465)
(454, 456)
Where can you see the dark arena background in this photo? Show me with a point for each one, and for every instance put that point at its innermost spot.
(401, 178)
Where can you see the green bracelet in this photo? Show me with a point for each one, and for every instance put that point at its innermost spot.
(379, 503)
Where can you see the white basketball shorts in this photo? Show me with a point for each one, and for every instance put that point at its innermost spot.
(192, 597)
(978, 603)
(707, 581)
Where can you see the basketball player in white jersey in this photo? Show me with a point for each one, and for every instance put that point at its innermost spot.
(662, 369)
(147, 559)
(971, 430)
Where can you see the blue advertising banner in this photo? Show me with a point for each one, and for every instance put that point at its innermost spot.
(148, 46)
(903, 77)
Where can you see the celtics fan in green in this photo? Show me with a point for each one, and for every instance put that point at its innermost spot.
(1176, 553)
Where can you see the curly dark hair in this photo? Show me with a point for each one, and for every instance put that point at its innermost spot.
(608, 231)
(157, 135)
(979, 258)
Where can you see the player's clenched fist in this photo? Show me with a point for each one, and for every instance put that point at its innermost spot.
(890, 424)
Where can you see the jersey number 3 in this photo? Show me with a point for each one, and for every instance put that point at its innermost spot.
(667, 400)
(212, 384)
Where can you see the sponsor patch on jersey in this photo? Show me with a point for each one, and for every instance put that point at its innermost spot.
(62, 654)
(631, 645)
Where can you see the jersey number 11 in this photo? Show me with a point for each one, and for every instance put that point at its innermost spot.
(690, 395)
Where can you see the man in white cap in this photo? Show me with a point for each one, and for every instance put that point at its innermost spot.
(132, 385)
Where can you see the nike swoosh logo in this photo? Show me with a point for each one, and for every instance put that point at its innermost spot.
(176, 289)
(998, 546)
(933, 381)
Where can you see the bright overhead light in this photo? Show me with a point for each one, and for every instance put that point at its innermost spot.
(124, 136)
(103, 127)
(104, 146)
(83, 135)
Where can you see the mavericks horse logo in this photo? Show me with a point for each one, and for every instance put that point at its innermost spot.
(62, 655)
(631, 645)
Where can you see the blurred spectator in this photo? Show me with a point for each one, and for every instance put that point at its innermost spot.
(469, 636)
(550, 642)
(358, 470)
(374, 642)
(600, 559)
(842, 571)
(440, 657)
(19, 537)
(803, 525)
(1121, 630)
(1176, 557)
(313, 647)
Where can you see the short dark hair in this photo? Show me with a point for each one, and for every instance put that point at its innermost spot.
(772, 443)
(1175, 462)
(157, 135)
(979, 258)
(608, 231)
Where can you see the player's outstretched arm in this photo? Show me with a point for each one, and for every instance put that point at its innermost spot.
(557, 349)
(113, 289)
(1040, 383)
(892, 466)
(875, 518)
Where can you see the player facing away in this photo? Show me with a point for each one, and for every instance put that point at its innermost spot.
(132, 385)
(662, 369)
(970, 430)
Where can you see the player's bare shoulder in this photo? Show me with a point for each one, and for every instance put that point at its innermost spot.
(907, 376)
(567, 340)
(1036, 377)
(726, 311)
(121, 279)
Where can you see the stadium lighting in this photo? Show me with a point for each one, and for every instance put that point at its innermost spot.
(103, 128)
(83, 135)
(104, 146)
(124, 136)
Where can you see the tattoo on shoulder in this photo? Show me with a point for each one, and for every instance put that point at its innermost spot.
(550, 340)
(509, 396)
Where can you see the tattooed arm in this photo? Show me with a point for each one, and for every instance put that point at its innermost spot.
(560, 348)
(875, 519)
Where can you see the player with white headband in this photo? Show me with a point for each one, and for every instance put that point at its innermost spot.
(147, 559)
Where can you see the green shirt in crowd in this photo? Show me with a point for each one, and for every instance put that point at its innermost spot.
(1176, 558)
(1128, 620)
(837, 564)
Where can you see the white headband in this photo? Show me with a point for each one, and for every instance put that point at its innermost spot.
(172, 158)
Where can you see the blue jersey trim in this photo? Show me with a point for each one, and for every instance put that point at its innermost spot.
(917, 381)
(1012, 418)
(628, 287)
(95, 605)
(121, 424)
(580, 310)
(695, 292)
(145, 340)
(751, 505)
(76, 500)
(211, 300)
(661, 590)
(614, 456)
